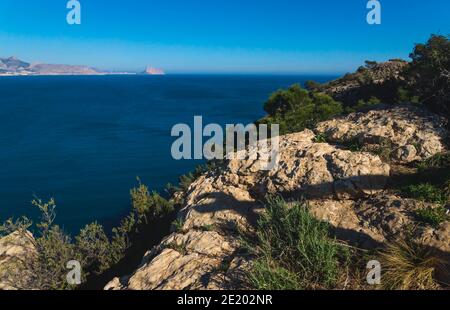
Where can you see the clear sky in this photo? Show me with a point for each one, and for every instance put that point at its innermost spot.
(231, 36)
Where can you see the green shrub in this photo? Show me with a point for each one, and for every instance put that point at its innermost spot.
(384, 149)
(177, 225)
(353, 144)
(404, 96)
(320, 138)
(313, 86)
(268, 275)
(363, 105)
(429, 74)
(140, 199)
(293, 250)
(208, 227)
(441, 160)
(146, 204)
(46, 269)
(432, 216)
(285, 100)
(295, 109)
(94, 248)
(426, 192)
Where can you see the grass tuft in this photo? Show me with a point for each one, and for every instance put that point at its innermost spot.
(293, 249)
(426, 192)
(410, 266)
(432, 216)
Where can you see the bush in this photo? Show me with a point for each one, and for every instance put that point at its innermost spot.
(363, 105)
(295, 109)
(404, 96)
(94, 248)
(177, 225)
(426, 192)
(370, 64)
(383, 149)
(429, 74)
(320, 138)
(293, 250)
(437, 161)
(286, 100)
(146, 204)
(268, 275)
(313, 86)
(432, 216)
(46, 269)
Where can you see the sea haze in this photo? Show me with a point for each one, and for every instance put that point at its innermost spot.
(84, 139)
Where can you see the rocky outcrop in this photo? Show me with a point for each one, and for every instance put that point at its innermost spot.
(413, 133)
(181, 261)
(344, 188)
(222, 201)
(386, 217)
(381, 80)
(14, 250)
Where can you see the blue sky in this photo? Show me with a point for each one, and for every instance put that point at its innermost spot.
(228, 36)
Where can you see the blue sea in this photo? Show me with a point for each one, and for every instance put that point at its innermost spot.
(84, 140)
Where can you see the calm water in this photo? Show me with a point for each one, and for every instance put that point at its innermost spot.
(83, 140)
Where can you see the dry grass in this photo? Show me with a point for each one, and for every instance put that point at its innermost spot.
(410, 266)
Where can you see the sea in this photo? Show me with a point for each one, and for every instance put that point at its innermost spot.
(84, 140)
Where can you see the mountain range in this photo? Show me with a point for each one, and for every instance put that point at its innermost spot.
(12, 66)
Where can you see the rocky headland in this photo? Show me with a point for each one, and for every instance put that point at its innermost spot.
(348, 189)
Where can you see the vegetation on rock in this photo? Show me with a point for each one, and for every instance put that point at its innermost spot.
(408, 265)
(295, 109)
(293, 250)
(46, 269)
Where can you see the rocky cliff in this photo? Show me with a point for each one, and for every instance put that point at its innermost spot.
(347, 188)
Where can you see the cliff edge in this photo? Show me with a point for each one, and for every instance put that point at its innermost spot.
(350, 189)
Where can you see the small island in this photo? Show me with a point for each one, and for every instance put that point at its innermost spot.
(153, 71)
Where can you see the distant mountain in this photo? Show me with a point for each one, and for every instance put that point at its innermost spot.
(48, 69)
(15, 66)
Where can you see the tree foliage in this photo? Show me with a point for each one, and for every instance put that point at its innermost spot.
(295, 109)
(430, 73)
